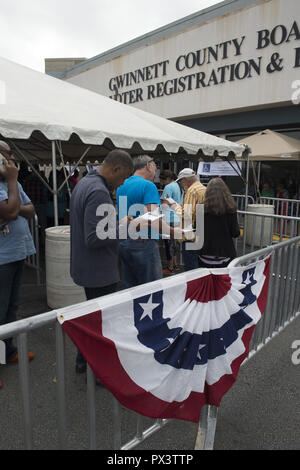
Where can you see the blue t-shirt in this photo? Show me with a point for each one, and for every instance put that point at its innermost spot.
(171, 190)
(134, 195)
(16, 244)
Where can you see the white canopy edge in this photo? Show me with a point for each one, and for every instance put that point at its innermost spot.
(37, 102)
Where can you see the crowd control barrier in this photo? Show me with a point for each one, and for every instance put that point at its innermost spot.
(284, 207)
(240, 200)
(34, 260)
(262, 229)
(282, 308)
(289, 207)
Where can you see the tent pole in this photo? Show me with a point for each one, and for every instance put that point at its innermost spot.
(55, 205)
(76, 166)
(258, 174)
(11, 143)
(246, 201)
(247, 179)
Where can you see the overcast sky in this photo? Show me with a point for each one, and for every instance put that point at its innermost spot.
(31, 30)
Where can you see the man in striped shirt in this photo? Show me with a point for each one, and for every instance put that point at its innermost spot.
(194, 195)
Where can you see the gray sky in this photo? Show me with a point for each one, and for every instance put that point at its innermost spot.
(31, 30)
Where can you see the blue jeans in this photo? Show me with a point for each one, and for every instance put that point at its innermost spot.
(190, 258)
(10, 282)
(170, 247)
(140, 262)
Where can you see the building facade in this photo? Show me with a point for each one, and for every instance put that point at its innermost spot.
(230, 70)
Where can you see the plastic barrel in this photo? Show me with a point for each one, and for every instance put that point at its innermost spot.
(263, 230)
(61, 290)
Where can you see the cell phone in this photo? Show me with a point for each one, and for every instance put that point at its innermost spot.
(1, 161)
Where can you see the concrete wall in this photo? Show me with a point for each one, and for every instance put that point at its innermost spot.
(247, 59)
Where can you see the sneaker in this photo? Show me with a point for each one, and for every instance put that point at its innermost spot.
(15, 358)
(168, 271)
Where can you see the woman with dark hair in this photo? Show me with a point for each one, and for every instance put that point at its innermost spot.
(220, 226)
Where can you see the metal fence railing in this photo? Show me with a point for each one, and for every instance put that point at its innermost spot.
(285, 207)
(290, 207)
(282, 307)
(240, 200)
(261, 229)
(284, 293)
(34, 260)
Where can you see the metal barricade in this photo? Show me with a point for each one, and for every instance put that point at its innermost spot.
(279, 228)
(282, 308)
(284, 294)
(240, 200)
(290, 207)
(284, 207)
(34, 260)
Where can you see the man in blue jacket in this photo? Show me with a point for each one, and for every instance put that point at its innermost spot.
(94, 256)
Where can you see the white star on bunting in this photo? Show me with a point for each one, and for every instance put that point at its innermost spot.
(148, 309)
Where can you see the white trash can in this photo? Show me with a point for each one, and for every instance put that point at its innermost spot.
(61, 290)
(263, 231)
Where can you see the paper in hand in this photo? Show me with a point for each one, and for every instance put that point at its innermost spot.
(151, 216)
(169, 200)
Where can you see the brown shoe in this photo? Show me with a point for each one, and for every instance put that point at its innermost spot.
(168, 271)
(1, 384)
(16, 358)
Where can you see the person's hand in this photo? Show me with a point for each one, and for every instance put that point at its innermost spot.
(164, 205)
(172, 205)
(141, 224)
(9, 170)
(125, 220)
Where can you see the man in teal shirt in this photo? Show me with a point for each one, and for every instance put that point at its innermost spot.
(140, 257)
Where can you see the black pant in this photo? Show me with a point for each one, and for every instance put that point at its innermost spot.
(10, 283)
(94, 293)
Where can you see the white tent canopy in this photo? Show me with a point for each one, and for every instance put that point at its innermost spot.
(268, 145)
(36, 108)
(41, 115)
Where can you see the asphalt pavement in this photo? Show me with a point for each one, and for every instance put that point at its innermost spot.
(261, 410)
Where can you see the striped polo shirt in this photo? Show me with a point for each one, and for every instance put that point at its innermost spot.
(193, 196)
